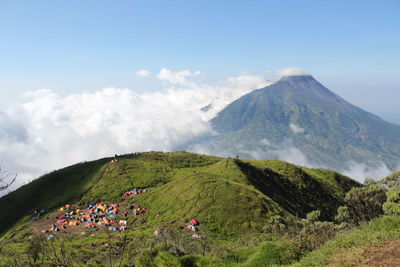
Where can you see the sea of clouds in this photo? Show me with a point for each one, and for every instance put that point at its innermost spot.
(48, 131)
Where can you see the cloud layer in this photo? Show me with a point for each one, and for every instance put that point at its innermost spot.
(48, 131)
(292, 72)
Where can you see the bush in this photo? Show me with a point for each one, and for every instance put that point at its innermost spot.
(392, 205)
(275, 224)
(392, 180)
(363, 204)
(271, 253)
(314, 233)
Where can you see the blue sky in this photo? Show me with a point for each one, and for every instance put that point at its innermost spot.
(217, 50)
(72, 46)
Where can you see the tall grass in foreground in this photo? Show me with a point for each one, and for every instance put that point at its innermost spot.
(345, 247)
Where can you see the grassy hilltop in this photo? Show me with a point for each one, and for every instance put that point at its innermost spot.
(184, 185)
(237, 201)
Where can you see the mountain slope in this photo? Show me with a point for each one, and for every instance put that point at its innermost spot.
(298, 112)
(228, 194)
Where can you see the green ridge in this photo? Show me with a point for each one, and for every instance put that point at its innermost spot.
(233, 199)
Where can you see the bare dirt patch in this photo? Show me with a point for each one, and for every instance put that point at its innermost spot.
(384, 255)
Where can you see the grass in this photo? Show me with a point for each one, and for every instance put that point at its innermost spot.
(344, 248)
(231, 198)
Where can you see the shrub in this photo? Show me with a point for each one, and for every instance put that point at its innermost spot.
(275, 224)
(392, 205)
(392, 180)
(271, 253)
(363, 204)
(314, 233)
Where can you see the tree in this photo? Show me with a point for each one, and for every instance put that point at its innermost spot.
(5, 179)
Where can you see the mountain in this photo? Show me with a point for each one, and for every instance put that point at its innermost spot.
(297, 118)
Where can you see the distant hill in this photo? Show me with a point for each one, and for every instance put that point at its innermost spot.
(298, 112)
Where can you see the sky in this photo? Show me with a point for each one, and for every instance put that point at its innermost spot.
(71, 71)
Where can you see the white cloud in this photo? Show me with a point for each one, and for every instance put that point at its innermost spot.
(360, 171)
(283, 151)
(143, 73)
(296, 129)
(265, 142)
(178, 77)
(48, 131)
(295, 156)
(245, 79)
(292, 72)
(286, 151)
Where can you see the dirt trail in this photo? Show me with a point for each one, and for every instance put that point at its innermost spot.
(99, 178)
(383, 255)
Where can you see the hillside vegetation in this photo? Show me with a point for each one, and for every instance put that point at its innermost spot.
(236, 201)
